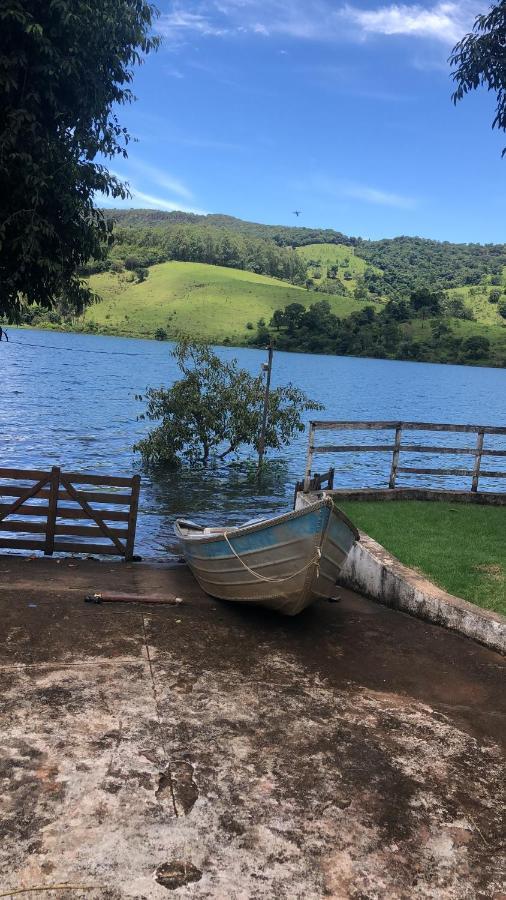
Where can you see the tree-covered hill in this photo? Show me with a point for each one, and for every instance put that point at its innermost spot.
(283, 235)
(412, 262)
(407, 263)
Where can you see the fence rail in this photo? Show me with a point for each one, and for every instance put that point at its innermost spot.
(396, 447)
(56, 505)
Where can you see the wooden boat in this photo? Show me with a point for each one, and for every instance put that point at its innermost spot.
(284, 563)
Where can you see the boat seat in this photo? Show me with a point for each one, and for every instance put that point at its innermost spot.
(189, 526)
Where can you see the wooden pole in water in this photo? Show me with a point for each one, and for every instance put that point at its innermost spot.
(267, 367)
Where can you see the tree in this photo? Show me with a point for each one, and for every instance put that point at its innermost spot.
(293, 314)
(476, 346)
(501, 309)
(480, 60)
(494, 296)
(160, 334)
(65, 66)
(214, 409)
(278, 319)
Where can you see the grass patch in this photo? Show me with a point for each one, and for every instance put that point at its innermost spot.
(460, 547)
(201, 300)
(476, 296)
(328, 255)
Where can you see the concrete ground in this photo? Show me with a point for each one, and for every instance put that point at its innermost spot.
(213, 751)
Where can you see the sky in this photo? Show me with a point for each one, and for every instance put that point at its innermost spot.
(341, 110)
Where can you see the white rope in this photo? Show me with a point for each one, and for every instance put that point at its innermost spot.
(315, 560)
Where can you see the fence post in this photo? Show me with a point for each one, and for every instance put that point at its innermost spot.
(132, 517)
(395, 456)
(54, 487)
(477, 460)
(309, 457)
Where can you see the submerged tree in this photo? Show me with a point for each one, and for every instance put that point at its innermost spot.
(65, 66)
(215, 409)
(480, 60)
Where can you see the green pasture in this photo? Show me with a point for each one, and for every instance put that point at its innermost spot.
(336, 254)
(460, 547)
(200, 300)
(476, 296)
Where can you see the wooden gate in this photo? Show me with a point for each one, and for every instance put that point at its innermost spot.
(68, 512)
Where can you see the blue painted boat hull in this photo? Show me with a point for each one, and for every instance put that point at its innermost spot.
(283, 563)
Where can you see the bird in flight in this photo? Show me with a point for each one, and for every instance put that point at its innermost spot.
(297, 212)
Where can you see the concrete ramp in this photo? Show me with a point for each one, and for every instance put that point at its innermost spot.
(214, 751)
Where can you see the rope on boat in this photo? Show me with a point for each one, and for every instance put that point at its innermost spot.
(273, 580)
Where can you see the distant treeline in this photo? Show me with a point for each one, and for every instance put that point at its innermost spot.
(410, 262)
(138, 247)
(385, 334)
(283, 235)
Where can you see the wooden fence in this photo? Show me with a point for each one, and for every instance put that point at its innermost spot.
(51, 509)
(396, 447)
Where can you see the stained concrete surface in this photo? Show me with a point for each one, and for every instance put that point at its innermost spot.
(204, 750)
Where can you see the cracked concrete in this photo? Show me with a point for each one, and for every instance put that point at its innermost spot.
(209, 751)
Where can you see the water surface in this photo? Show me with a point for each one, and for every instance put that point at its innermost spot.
(69, 399)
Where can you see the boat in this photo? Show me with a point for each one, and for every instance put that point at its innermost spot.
(284, 563)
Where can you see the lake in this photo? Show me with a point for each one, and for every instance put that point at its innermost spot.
(69, 399)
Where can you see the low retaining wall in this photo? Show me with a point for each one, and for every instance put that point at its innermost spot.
(483, 498)
(373, 571)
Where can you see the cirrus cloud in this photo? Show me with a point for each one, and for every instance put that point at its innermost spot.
(444, 21)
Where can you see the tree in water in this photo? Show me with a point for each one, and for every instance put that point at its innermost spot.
(215, 409)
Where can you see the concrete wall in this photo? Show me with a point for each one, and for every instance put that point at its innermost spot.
(372, 571)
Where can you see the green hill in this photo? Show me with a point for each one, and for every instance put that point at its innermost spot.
(201, 300)
(222, 279)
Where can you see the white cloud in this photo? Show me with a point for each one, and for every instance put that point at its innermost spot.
(377, 197)
(160, 202)
(321, 20)
(445, 22)
(148, 201)
(338, 189)
(160, 178)
(173, 25)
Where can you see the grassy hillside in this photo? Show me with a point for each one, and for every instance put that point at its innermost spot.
(205, 301)
(344, 258)
(477, 298)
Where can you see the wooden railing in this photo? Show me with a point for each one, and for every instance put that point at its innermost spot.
(396, 447)
(53, 506)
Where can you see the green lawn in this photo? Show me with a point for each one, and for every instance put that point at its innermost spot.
(201, 300)
(460, 547)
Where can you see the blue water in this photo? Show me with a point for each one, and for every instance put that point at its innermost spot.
(69, 399)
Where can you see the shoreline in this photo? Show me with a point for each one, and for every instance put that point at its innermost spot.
(229, 346)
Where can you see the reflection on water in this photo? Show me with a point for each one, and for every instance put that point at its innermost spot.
(69, 399)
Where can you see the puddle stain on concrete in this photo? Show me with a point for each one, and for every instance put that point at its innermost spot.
(175, 874)
(177, 787)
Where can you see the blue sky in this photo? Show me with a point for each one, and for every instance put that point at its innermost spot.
(342, 110)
